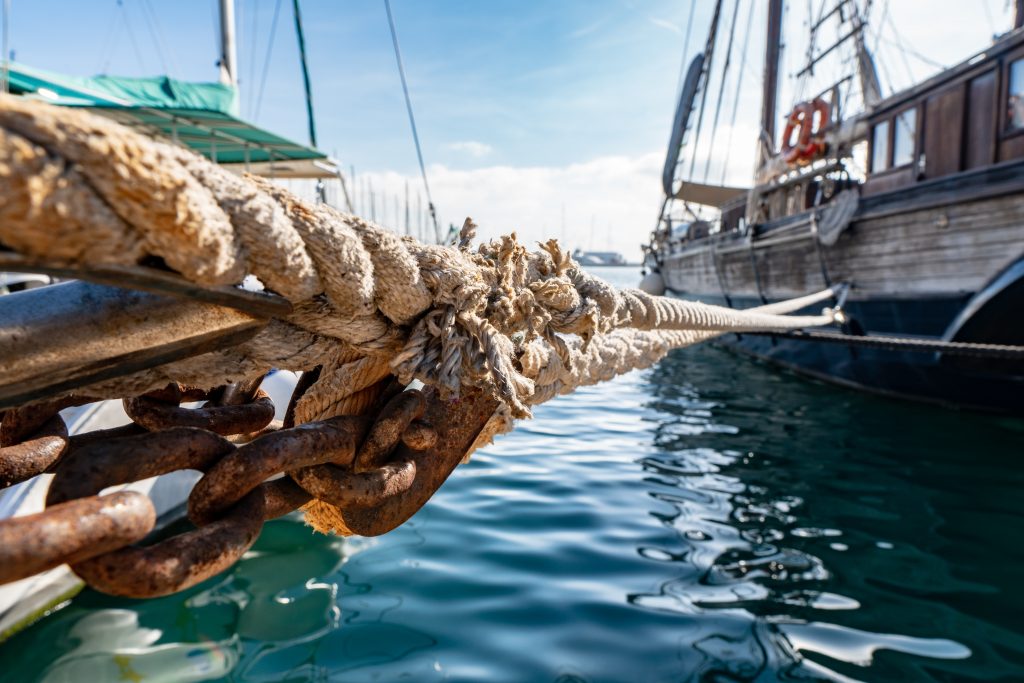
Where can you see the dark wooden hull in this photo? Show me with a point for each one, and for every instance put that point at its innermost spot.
(943, 260)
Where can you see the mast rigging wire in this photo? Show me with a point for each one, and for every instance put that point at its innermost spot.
(106, 45)
(253, 40)
(736, 98)
(412, 119)
(266, 59)
(709, 53)
(131, 34)
(686, 49)
(156, 31)
(721, 88)
(307, 87)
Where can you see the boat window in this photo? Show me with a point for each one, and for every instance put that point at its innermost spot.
(1015, 97)
(903, 140)
(880, 147)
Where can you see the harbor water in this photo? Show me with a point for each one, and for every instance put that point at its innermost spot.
(708, 519)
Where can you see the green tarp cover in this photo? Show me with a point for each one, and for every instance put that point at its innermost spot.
(161, 92)
(200, 116)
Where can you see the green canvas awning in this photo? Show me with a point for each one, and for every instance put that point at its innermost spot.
(200, 116)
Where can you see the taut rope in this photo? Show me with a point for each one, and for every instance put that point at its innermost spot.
(521, 326)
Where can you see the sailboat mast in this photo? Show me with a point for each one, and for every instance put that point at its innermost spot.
(301, 38)
(228, 50)
(770, 93)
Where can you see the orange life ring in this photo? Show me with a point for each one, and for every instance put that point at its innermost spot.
(808, 121)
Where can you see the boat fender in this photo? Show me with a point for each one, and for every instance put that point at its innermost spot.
(836, 217)
(653, 283)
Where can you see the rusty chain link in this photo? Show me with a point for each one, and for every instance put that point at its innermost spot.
(377, 472)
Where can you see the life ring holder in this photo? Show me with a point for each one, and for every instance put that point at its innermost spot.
(807, 121)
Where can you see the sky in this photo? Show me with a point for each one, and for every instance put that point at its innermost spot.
(547, 118)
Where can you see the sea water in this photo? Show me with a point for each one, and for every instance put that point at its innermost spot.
(709, 519)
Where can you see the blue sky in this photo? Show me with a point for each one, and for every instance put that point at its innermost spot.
(528, 111)
(538, 83)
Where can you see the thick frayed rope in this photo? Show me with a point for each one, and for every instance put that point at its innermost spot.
(79, 190)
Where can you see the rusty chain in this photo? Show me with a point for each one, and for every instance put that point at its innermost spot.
(377, 472)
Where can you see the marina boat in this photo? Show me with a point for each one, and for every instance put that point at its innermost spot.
(910, 205)
(202, 117)
(599, 258)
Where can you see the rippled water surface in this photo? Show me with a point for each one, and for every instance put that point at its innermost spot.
(708, 519)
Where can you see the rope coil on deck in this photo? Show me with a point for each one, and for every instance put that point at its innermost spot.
(490, 331)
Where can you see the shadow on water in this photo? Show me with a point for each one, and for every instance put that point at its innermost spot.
(705, 520)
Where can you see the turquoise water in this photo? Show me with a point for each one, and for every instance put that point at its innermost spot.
(707, 520)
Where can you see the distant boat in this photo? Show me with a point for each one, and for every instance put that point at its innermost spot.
(599, 258)
(913, 204)
(202, 117)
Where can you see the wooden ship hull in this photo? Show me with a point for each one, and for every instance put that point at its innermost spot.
(914, 207)
(942, 261)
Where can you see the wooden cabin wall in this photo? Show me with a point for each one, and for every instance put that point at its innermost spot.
(982, 110)
(943, 131)
(959, 129)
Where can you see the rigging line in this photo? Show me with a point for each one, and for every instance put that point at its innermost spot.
(253, 41)
(153, 37)
(898, 44)
(913, 53)
(308, 89)
(266, 58)
(736, 98)
(412, 119)
(988, 17)
(709, 52)
(882, 62)
(686, 48)
(161, 45)
(721, 89)
(131, 34)
(105, 46)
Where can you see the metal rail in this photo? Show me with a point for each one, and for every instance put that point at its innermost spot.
(66, 336)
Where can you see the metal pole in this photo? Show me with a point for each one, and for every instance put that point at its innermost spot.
(407, 208)
(305, 72)
(412, 119)
(228, 50)
(771, 81)
(419, 218)
(58, 338)
(355, 189)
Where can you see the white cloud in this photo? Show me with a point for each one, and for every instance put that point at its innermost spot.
(608, 203)
(472, 148)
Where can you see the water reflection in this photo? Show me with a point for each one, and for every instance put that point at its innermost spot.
(706, 520)
(276, 616)
(776, 533)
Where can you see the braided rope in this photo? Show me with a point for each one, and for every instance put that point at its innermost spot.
(78, 189)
